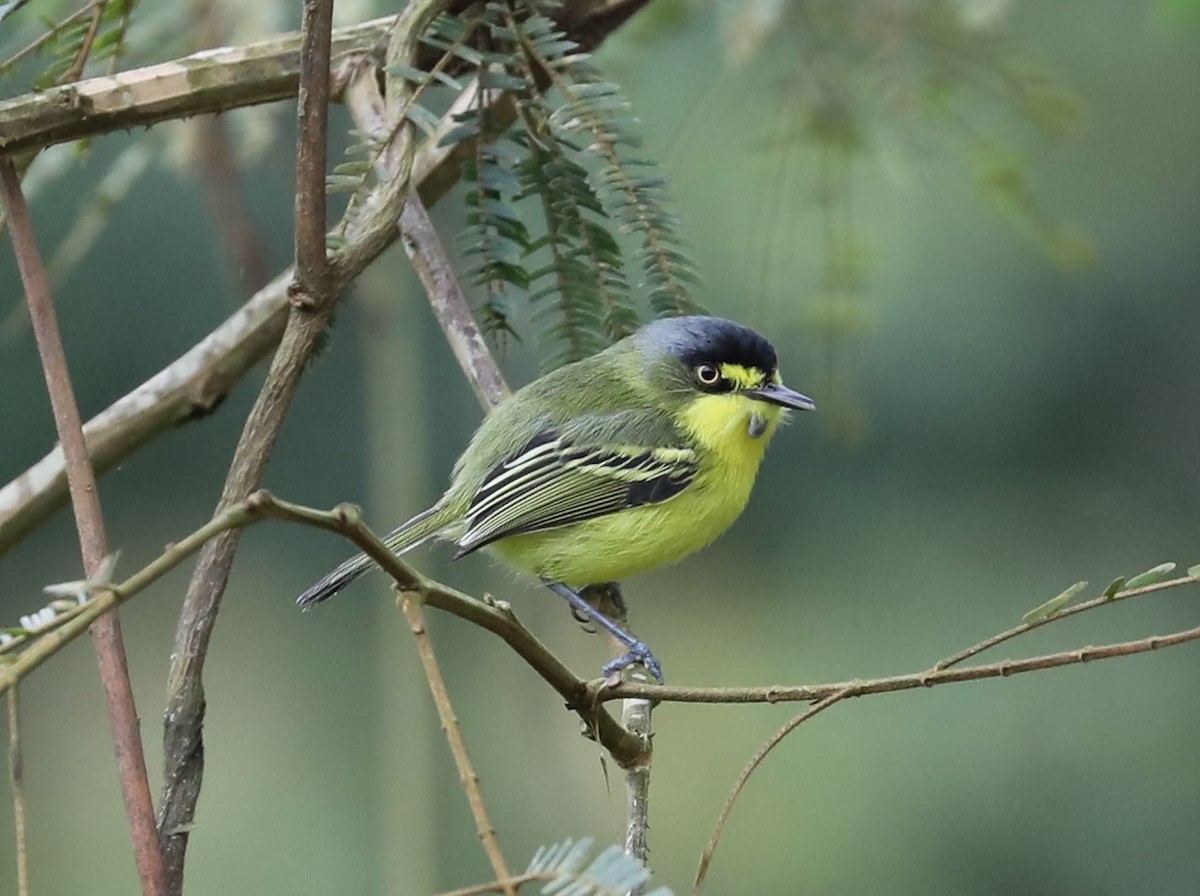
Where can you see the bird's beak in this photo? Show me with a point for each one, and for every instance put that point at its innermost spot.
(777, 393)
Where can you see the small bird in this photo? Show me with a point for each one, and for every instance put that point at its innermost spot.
(627, 460)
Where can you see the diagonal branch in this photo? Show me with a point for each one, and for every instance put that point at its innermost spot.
(410, 603)
(228, 78)
(93, 543)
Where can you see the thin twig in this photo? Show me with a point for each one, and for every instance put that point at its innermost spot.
(85, 47)
(100, 601)
(89, 522)
(747, 771)
(897, 683)
(936, 675)
(450, 305)
(410, 603)
(1011, 633)
(16, 774)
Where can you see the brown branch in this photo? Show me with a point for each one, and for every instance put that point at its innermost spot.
(450, 305)
(312, 104)
(494, 616)
(229, 78)
(410, 603)
(89, 522)
(217, 80)
(893, 684)
(311, 308)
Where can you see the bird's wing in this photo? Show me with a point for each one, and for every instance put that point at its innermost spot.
(552, 482)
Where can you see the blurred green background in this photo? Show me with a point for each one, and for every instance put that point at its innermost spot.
(1015, 428)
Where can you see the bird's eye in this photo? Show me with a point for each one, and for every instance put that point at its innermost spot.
(707, 374)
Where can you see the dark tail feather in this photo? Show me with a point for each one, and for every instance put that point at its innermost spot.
(408, 536)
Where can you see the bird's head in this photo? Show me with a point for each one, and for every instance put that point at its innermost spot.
(696, 357)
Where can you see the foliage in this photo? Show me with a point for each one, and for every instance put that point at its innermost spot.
(95, 32)
(569, 158)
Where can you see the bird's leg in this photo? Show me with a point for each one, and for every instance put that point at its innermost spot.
(605, 597)
(635, 651)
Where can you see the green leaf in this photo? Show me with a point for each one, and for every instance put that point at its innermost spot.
(1114, 586)
(1150, 576)
(1052, 606)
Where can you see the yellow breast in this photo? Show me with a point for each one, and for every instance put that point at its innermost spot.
(622, 544)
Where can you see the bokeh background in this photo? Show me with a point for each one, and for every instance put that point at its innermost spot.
(997, 426)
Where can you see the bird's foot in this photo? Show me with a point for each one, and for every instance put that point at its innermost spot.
(638, 653)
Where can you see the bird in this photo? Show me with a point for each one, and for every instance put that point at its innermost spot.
(609, 466)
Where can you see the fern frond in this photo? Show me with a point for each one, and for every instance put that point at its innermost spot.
(629, 186)
(497, 235)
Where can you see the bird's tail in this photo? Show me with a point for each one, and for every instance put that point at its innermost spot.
(417, 530)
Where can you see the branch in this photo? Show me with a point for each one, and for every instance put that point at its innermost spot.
(312, 125)
(93, 544)
(228, 78)
(494, 616)
(450, 305)
(85, 48)
(410, 603)
(209, 81)
(636, 716)
(851, 689)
